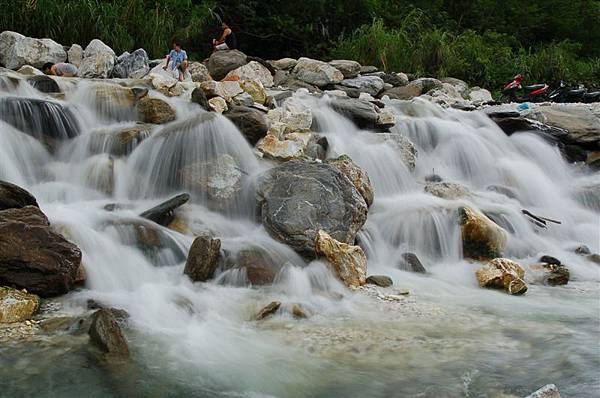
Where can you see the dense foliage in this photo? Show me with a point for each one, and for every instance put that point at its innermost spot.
(483, 41)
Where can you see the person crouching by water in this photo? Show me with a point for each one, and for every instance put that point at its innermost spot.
(179, 61)
(61, 69)
(227, 41)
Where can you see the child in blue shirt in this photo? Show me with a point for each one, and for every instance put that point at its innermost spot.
(179, 60)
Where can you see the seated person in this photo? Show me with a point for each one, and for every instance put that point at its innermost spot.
(227, 41)
(179, 60)
(61, 69)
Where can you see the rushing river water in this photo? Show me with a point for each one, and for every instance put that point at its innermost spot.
(448, 338)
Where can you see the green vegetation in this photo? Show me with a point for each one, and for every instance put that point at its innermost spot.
(485, 42)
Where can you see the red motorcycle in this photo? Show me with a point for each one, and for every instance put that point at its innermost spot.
(533, 93)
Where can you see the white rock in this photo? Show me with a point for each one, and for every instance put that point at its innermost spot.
(29, 70)
(97, 65)
(96, 46)
(199, 72)
(316, 72)
(366, 97)
(17, 50)
(480, 96)
(75, 55)
(218, 104)
(253, 71)
(385, 118)
(548, 391)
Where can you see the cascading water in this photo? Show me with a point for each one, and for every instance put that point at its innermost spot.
(449, 339)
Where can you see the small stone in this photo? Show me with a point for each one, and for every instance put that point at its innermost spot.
(410, 262)
(106, 334)
(380, 280)
(548, 391)
(403, 292)
(582, 250)
(269, 310)
(298, 312)
(550, 260)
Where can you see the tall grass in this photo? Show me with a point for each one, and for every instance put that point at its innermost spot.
(488, 59)
(122, 24)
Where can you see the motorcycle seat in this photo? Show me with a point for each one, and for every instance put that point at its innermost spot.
(578, 91)
(535, 86)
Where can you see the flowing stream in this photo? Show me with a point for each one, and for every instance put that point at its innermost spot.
(448, 338)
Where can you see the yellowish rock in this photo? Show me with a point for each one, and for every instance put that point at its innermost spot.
(482, 238)
(502, 273)
(349, 262)
(274, 148)
(17, 305)
(255, 89)
(217, 104)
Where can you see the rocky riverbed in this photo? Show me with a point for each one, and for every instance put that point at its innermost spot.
(289, 227)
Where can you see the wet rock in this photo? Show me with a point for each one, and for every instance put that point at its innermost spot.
(203, 259)
(39, 118)
(594, 258)
(284, 63)
(582, 250)
(349, 69)
(386, 118)
(155, 110)
(44, 84)
(349, 263)
(218, 179)
(556, 274)
(221, 63)
(548, 391)
(447, 190)
(407, 92)
(260, 266)
(268, 310)
(199, 97)
(433, 178)
(410, 262)
(28, 70)
(224, 89)
(163, 213)
(403, 146)
(317, 73)
(112, 99)
(120, 142)
(362, 113)
(17, 305)
(251, 122)
(297, 199)
(365, 84)
(75, 55)
(358, 176)
(34, 257)
(13, 196)
(502, 273)
(253, 71)
(509, 193)
(17, 50)
(482, 239)
(133, 66)
(380, 280)
(298, 312)
(550, 260)
(107, 335)
(217, 104)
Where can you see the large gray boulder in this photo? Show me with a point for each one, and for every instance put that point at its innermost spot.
(17, 50)
(297, 199)
(365, 84)
(221, 63)
(98, 60)
(581, 123)
(317, 73)
(134, 65)
(34, 257)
